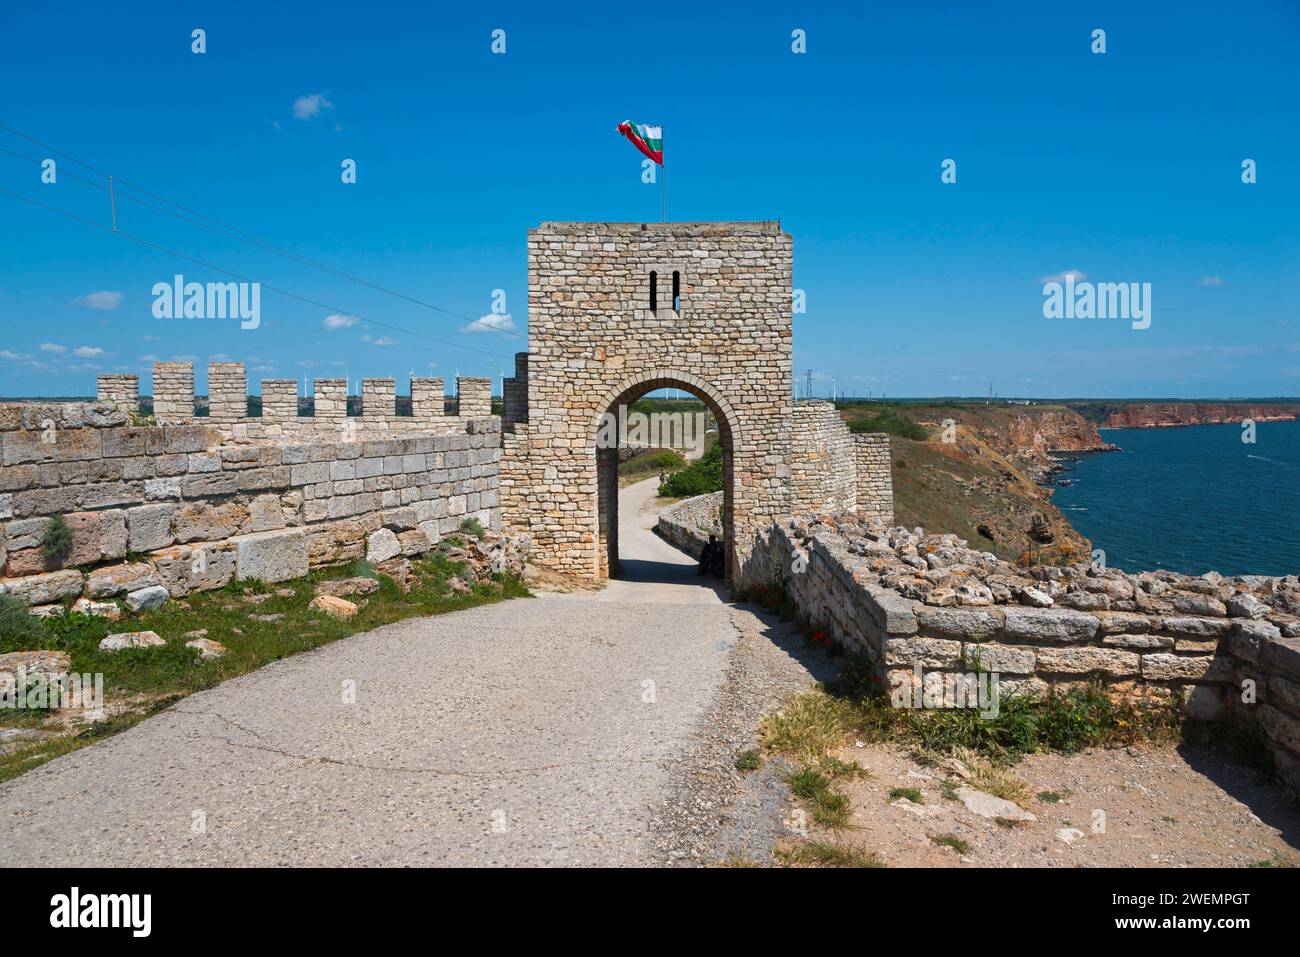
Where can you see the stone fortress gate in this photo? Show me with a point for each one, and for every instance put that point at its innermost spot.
(618, 310)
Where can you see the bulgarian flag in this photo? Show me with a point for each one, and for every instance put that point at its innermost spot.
(648, 139)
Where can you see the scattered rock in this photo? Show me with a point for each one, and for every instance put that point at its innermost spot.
(131, 639)
(347, 587)
(147, 599)
(1246, 605)
(955, 766)
(335, 607)
(100, 609)
(1069, 834)
(207, 648)
(986, 805)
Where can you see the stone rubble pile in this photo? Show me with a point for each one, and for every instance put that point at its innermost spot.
(940, 570)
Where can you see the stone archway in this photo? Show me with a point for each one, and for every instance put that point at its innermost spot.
(613, 309)
(622, 397)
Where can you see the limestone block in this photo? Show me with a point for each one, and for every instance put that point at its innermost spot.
(272, 556)
(928, 652)
(382, 545)
(1166, 667)
(1050, 624)
(44, 588)
(1004, 659)
(118, 579)
(150, 527)
(972, 624)
(1081, 661)
(1192, 627)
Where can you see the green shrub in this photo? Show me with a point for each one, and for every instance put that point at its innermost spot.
(56, 541)
(18, 626)
(472, 526)
(702, 476)
(891, 421)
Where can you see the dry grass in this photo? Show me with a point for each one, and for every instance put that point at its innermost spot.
(826, 854)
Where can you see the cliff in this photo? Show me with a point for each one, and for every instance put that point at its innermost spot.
(1170, 414)
(987, 481)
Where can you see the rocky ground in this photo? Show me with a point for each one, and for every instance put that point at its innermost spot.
(1159, 807)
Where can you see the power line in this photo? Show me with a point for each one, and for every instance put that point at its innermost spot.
(210, 222)
(284, 292)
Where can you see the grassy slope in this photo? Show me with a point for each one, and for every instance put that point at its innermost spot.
(956, 487)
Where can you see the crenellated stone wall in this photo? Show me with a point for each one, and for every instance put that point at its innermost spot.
(281, 415)
(1228, 647)
(191, 505)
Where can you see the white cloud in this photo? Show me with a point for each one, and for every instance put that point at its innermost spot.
(1212, 281)
(339, 322)
(104, 300)
(1078, 274)
(309, 105)
(87, 352)
(381, 341)
(53, 347)
(13, 356)
(492, 322)
(150, 359)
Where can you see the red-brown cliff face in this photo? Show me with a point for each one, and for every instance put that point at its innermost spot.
(1166, 415)
(1039, 434)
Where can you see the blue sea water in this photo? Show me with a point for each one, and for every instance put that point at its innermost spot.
(1191, 499)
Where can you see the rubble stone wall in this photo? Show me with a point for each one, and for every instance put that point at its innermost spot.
(687, 524)
(1229, 647)
(190, 508)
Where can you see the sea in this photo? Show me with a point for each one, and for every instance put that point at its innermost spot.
(1190, 499)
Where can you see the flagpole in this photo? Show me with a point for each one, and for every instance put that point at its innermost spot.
(663, 182)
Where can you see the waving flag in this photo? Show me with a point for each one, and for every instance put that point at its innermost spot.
(648, 139)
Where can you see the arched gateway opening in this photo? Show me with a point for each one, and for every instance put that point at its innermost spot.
(618, 425)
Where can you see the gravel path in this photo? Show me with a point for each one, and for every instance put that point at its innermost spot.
(562, 730)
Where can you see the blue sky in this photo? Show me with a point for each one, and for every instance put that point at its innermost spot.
(1123, 167)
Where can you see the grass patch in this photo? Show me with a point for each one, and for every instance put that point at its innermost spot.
(1066, 721)
(170, 673)
(889, 420)
(830, 807)
(808, 728)
(951, 840)
(910, 794)
(826, 854)
(18, 626)
(747, 761)
(812, 726)
(1050, 797)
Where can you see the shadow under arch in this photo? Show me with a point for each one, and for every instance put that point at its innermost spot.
(624, 394)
